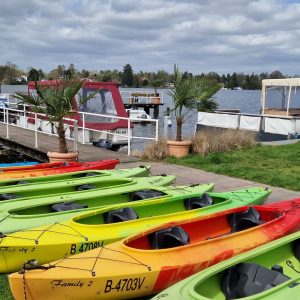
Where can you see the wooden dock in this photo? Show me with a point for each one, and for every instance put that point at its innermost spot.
(23, 141)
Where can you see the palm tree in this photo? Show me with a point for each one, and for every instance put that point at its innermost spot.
(55, 102)
(191, 93)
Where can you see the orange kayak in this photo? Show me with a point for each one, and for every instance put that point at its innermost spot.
(149, 262)
(56, 168)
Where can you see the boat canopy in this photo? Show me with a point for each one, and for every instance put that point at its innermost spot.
(108, 101)
(286, 84)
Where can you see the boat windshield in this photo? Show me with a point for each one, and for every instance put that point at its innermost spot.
(102, 103)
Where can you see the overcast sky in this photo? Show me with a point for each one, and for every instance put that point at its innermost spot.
(198, 35)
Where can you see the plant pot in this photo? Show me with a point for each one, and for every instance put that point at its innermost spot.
(68, 157)
(178, 149)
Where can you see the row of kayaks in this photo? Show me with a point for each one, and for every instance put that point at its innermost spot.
(122, 234)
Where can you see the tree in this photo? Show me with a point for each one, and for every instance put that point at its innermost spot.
(85, 73)
(189, 94)
(11, 73)
(55, 102)
(41, 74)
(33, 75)
(276, 75)
(127, 77)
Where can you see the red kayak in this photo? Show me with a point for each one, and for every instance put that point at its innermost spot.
(56, 168)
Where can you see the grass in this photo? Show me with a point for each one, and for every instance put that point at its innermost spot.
(273, 165)
(156, 151)
(4, 288)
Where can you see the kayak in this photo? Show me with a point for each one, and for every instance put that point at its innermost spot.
(71, 167)
(23, 213)
(149, 262)
(28, 167)
(84, 181)
(141, 171)
(107, 225)
(23, 163)
(268, 272)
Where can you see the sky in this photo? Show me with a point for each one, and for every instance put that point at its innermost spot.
(150, 35)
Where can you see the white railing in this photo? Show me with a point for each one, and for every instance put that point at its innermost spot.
(285, 125)
(10, 115)
(142, 97)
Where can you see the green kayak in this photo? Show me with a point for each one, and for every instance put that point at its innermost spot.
(62, 183)
(30, 212)
(112, 223)
(271, 271)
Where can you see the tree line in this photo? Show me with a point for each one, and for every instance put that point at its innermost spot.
(11, 74)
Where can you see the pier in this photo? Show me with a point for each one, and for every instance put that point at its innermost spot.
(145, 100)
(23, 141)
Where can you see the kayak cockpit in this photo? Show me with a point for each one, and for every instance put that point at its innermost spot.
(89, 202)
(67, 176)
(67, 187)
(150, 210)
(255, 276)
(200, 230)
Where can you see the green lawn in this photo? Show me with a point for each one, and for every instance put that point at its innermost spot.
(4, 288)
(274, 165)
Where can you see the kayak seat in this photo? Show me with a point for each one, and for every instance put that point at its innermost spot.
(120, 215)
(296, 249)
(145, 194)
(244, 220)
(8, 196)
(246, 279)
(69, 205)
(169, 238)
(84, 187)
(198, 202)
(19, 182)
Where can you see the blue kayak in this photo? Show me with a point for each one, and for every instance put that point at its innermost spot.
(16, 164)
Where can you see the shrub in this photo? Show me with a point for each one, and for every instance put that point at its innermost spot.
(156, 151)
(209, 141)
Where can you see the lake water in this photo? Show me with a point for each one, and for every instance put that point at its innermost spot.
(247, 101)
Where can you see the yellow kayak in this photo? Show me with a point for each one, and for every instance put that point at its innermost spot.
(112, 223)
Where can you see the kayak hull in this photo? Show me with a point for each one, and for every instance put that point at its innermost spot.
(96, 179)
(131, 268)
(24, 163)
(207, 284)
(141, 171)
(72, 167)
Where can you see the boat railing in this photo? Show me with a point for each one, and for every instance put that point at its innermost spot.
(142, 97)
(18, 117)
(285, 125)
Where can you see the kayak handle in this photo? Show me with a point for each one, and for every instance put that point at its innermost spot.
(32, 265)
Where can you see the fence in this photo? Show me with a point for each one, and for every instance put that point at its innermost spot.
(19, 118)
(285, 125)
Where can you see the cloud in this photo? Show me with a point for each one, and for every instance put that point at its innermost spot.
(200, 36)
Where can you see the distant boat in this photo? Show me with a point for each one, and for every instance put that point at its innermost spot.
(237, 88)
(137, 115)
